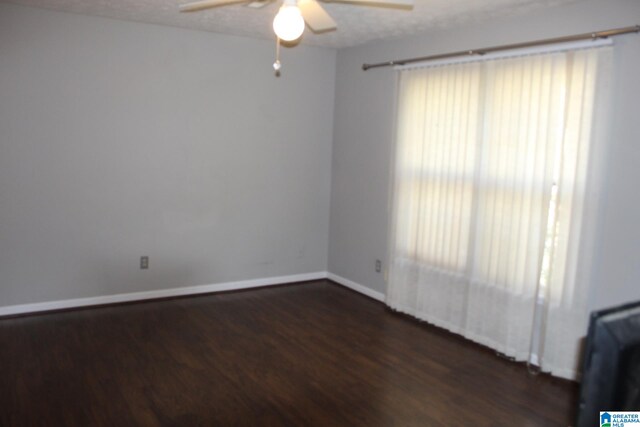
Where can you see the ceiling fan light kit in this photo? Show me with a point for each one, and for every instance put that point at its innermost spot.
(292, 16)
(288, 23)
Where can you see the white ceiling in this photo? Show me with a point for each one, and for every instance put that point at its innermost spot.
(357, 24)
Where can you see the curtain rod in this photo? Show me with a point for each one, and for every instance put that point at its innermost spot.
(586, 36)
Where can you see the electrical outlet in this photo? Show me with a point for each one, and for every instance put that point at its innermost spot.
(378, 266)
(144, 263)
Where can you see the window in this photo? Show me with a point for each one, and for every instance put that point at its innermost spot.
(491, 169)
(480, 146)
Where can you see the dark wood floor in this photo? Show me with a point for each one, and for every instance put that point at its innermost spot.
(312, 354)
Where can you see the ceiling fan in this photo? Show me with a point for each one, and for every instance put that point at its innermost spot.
(290, 21)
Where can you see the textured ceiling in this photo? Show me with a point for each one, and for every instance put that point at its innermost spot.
(357, 24)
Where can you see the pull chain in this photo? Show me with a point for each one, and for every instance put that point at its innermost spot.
(277, 65)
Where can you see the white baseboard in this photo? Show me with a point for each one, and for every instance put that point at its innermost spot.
(356, 287)
(11, 310)
(163, 293)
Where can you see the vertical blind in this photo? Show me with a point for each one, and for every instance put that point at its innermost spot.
(492, 210)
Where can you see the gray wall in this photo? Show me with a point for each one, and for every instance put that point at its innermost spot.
(363, 133)
(122, 139)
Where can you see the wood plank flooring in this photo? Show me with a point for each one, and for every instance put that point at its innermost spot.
(312, 354)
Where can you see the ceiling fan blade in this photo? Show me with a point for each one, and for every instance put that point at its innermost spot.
(205, 4)
(315, 16)
(392, 3)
